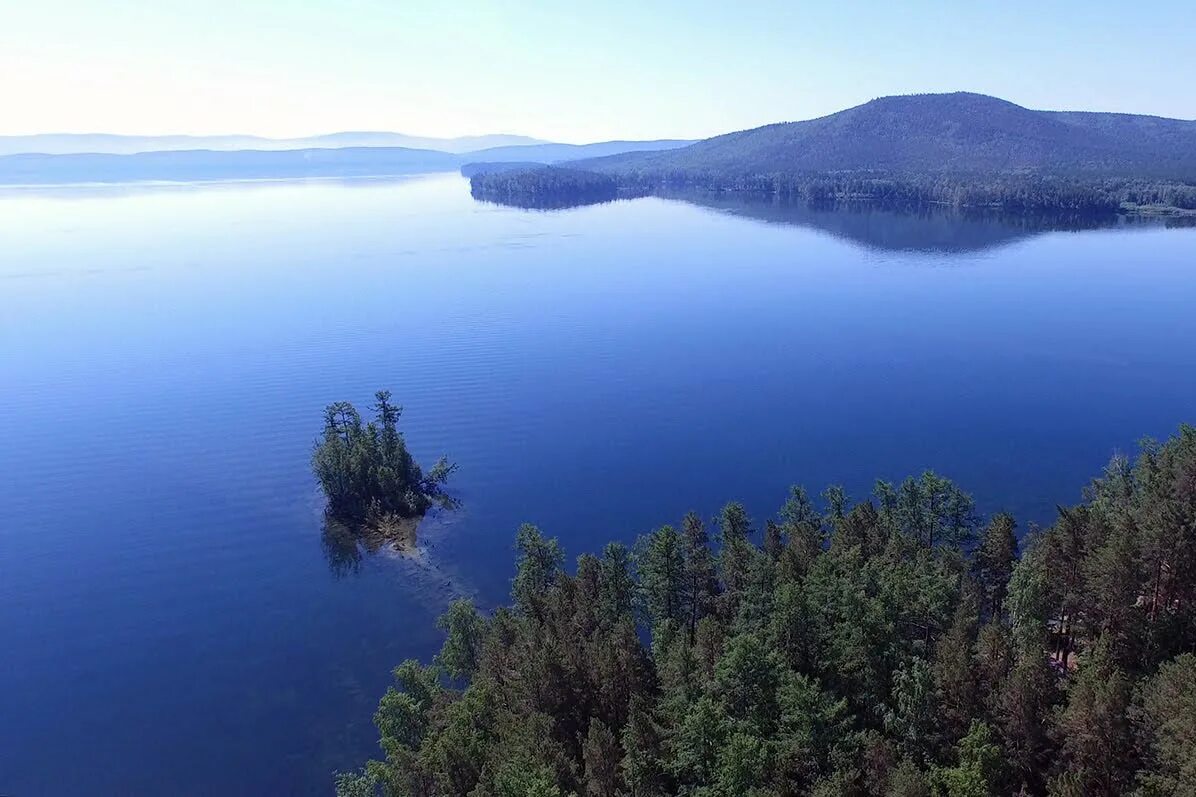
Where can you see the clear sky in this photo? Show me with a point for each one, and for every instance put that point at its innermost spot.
(571, 71)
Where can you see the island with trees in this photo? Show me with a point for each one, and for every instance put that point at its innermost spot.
(374, 488)
(896, 645)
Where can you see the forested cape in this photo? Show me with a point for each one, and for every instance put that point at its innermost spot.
(959, 150)
(891, 646)
(542, 186)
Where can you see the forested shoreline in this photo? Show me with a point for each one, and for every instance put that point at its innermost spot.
(897, 645)
(1010, 193)
(543, 187)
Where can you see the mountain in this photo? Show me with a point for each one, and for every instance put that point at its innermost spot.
(198, 165)
(103, 143)
(937, 133)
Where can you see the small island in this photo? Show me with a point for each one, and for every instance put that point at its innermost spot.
(376, 491)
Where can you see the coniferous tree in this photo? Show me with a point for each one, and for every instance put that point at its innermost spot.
(464, 629)
(1023, 711)
(643, 752)
(1165, 718)
(602, 755)
(802, 529)
(700, 580)
(954, 671)
(538, 568)
(735, 558)
(977, 772)
(616, 583)
(660, 562)
(993, 563)
(1097, 752)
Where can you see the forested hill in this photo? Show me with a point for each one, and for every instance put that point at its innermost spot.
(939, 133)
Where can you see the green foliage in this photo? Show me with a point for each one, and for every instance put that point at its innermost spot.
(538, 567)
(978, 768)
(643, 763)
(601, 756)
(366, 471)
(863, 649)
(1166, 722)
(356, 784)
(742, 766)
(617, 583)
(1097, 743)
(955, 671)
(660, 562)
(911, 718)
(1024, 707)
(907, 780)
(993, 563)
(464, 628)
(700, 580)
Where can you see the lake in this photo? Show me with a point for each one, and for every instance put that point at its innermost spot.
(169, 617)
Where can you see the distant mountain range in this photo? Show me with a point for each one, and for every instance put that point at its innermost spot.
(340, 156)
(963, 149)
(938, 133)
(107, 144)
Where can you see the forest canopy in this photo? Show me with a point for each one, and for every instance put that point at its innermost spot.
(896, 645)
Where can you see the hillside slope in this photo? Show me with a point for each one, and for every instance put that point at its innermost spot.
(939, 133)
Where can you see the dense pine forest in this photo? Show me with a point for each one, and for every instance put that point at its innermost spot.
(893, 646)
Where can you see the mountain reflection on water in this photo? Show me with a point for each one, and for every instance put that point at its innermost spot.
(917, 229)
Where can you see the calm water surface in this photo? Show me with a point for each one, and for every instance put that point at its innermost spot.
(169, 622)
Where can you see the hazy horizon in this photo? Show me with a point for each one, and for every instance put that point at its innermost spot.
(531, 137)
(591, 72)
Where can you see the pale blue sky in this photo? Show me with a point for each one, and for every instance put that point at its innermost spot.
(574, 71)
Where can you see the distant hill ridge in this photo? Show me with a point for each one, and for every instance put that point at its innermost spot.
(496, 148)
(963, 149)
(938, 133)
(257, 163)
(113, 144)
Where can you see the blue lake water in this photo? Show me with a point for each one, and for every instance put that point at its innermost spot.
(169, 622)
